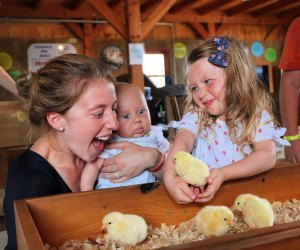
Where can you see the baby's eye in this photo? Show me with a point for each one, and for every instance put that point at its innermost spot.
(225, 219)
(142, 111)
(125, 117)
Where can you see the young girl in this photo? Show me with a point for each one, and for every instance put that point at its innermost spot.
(229, 122)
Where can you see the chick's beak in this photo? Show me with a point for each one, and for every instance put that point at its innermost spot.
(104, 230)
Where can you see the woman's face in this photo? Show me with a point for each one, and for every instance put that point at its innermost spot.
(207, 85)
(91, 120)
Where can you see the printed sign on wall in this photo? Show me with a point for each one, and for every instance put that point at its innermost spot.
(39, 53)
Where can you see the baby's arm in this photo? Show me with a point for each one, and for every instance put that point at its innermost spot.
(177, 188)
(90, 174)
(262, 159)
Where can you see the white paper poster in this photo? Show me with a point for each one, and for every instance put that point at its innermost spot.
(136, 53)
(39, 53)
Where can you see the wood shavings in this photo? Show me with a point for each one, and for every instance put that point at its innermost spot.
(167, 235)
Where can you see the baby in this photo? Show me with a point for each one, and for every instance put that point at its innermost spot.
(135, 127)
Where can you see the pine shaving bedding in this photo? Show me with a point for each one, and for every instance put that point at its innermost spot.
(168, 235)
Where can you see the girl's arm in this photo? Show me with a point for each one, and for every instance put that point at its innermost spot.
(177, 188)
(262, 159)
(90, 174)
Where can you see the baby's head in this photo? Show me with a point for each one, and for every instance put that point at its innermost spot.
(132, 111)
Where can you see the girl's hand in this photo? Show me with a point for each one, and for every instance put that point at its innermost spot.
(292, 153)
(132, 161)
(179, 190)
(214, 182)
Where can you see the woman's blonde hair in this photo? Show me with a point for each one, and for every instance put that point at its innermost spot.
(57, 86)
(245, 95)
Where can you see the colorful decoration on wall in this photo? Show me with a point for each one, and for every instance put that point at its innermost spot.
(270, 54)
(113, 56)
(6, 60)
(257, 49)
(179, 50)
(15, 74)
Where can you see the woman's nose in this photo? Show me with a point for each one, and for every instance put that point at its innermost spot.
(112, 121)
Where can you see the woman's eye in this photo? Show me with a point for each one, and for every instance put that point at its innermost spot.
(98, 115)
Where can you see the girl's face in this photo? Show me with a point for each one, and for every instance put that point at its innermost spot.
(91, 120)
(207, 85)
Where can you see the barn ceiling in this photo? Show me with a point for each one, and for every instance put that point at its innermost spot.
(257, 12)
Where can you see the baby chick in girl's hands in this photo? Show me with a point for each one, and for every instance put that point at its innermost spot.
(214, 220)
(257, 212)
(190, 169)
(124, 229)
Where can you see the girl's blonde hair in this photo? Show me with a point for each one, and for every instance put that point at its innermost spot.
(245, 95)
(57, 86)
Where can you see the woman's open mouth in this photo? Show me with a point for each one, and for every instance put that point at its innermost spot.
(99, 142)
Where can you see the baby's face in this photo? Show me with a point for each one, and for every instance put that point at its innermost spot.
(133, 114)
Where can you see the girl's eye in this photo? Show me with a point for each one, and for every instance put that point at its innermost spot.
(194, 88)
(207, 82)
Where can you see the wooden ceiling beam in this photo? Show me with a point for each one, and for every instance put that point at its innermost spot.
(78, 4)
(272, 8)
(292, 13)
(76, 30)
(219, 17)
(272, 33)
(246, 6)
(39, 4)
(199, 28)
(111, 17)
(212, 5)
(186, 4)
(156, 16)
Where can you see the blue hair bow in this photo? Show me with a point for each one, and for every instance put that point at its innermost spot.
(217, 58)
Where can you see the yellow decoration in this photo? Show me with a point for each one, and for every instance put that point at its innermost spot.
(5, 60)
(179, 50)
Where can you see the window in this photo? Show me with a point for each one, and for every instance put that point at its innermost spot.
(154, 68)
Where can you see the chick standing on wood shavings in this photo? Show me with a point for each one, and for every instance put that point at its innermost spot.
(257, 212)
(124, 229)
(214, 220)
(192, 170)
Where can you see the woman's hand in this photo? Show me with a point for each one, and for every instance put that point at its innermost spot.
(292, 153)
(132, 161)
(214, 182)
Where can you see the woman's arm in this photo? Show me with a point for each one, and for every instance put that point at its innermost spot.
(7, 82)
(177, 188)
(262, 159)
(132, 161)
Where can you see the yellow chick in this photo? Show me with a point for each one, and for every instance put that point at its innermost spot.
(214, 220)
(124, 229)
(257, 212)
(190, 169)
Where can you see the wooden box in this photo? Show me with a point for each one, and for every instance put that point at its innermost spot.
(56, 219)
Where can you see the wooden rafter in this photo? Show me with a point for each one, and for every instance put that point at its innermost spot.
(39, 4)
(110, 16)
(79, 4)
(183, 5)
(211, 6)
(76, 30)
(246, 6)
(272, 8)
(272, 32)
(199, 28)
(156, 16)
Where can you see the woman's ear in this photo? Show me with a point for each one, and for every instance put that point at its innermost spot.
(56, 121)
